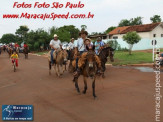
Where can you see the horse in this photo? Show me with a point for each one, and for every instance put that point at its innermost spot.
(71, 58)
(104, 53)
(10, 51)
(25, 51)
(89, 71)
(61, 58)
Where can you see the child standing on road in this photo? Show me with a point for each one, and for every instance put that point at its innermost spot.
(14, 57)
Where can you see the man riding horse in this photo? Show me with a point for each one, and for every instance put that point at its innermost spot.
(55, 45)
(99, 45)
(81, 53)
(57, 57)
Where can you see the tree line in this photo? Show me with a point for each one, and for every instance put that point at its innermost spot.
(41, 37)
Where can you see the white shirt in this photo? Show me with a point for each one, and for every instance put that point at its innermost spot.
(71, 45)
(80, 44)
(55, 44)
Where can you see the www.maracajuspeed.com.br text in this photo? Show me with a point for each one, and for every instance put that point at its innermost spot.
(45, 16)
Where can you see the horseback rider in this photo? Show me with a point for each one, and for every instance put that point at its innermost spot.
(25, 45)
(16, 46)
(71, 44)
(99, 44)
(55, 45)
(80, 47)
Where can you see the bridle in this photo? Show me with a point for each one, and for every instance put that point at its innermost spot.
(89, 53)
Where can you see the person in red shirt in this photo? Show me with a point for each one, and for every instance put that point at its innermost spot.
(16, 45)
(25, 45)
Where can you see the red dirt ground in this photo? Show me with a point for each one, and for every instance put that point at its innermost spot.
(125, 95)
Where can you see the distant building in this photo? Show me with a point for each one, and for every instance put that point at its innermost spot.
(94, 37)
(147, 32)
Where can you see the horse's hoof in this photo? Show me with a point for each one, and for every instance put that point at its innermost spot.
(78, 91)
(103, 76)
(84, 92)
(95, 97)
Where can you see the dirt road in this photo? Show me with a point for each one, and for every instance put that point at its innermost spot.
(125, 95)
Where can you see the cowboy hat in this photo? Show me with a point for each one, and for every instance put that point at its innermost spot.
(87, 39)
(55, 35)
(99, 39)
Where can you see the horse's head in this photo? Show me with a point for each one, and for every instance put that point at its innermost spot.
(91, 63)
(71, 54)
(111, 54)
(107, 51)
(65, 55)
(90, 48)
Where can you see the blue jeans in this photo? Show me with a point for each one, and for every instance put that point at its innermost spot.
(77, 59)
(52, 61)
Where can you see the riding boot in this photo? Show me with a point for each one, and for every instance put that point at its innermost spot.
(77, 72)
(98, 70)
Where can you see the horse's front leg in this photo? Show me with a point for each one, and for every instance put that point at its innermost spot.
(76, 84)
(58, 68)
(49, 67)
(62, 69)
(55, 68)
(85, 85)
(93, 87)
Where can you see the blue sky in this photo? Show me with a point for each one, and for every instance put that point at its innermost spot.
(107, 13)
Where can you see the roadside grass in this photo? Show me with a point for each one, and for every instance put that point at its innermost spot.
(123, 58)
(161, 50)
(42, 53)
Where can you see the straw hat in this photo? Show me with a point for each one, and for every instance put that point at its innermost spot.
(55, 36)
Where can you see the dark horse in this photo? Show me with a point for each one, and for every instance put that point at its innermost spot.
(89, 71)
(107, 51)
(71, 54)
(25, 51)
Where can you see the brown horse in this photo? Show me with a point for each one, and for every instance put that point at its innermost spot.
(71, 58)
(10, 51)
(89, 71)
(26, 51)
(104, 54)
(61, 58)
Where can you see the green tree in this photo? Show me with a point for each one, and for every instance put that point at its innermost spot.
(131, 38)
(40, 36)
(156, 18)
(64, 35)
(136, 21)
(110, 29)
(124, 22)
(83, 27)
(74, 32)
(22, 31)
(113, 43)
(8, 38)
(36, 45)
(53, 30)
(132, 21)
